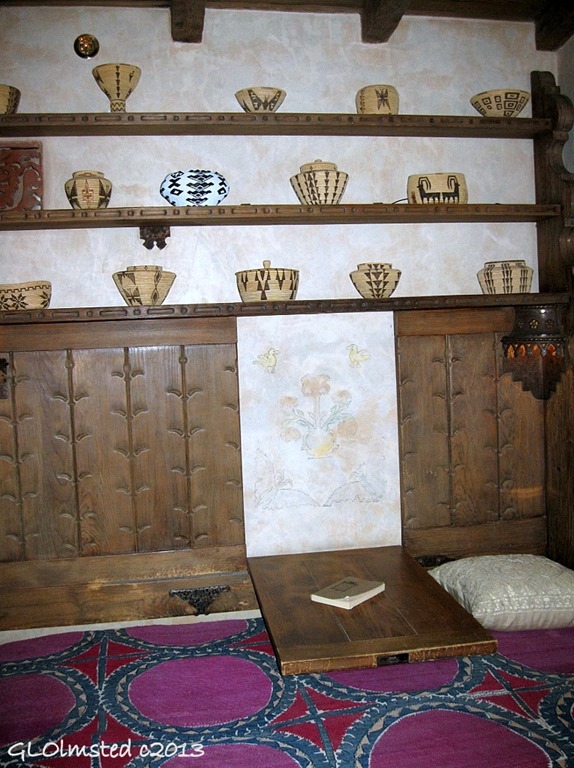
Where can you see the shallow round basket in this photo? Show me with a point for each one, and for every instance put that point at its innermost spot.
(501, 102)
(435, 188)
(377, 100)
(9, 99)
(260, 98)
(513, 276)
(375, 280)
(33, 295)
(267, 284)
(144, 285)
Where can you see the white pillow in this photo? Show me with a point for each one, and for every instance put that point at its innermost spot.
(511, 591)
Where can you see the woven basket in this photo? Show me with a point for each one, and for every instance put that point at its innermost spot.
(319, 183)
(9, 99)
(260, 98)
(513, 276)
(88, 190)
(501, 102)
(117, 81)
(375, 281)
(144, 285)
(267, 284)
(436, 188)
(33, 295)
(377, 100)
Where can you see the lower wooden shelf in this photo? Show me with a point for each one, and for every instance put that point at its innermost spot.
(261, 215)
(272, 308)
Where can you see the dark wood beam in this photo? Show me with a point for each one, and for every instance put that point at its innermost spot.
(555, 25)
(380, 18)
(187, 19)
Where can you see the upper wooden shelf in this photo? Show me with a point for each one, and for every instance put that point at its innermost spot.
(260, 215)
(272, 308)
(274, 124)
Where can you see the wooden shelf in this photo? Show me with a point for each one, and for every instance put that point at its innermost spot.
(246, 214)
(275, 124)
(272, 308)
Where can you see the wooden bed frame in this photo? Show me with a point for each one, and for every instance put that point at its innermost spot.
(120, 457)
(121, 468)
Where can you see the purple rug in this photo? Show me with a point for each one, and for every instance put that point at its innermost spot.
(209, 695)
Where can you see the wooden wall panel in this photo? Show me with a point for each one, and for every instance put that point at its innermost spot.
(120, 450)
(473, 414)
(424, 432)
(155, 443)
(11, 538)
(214, 445)
(99, 416)
(471, 441)
(41, 458)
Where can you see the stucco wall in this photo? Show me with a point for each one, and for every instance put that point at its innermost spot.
(437, 65)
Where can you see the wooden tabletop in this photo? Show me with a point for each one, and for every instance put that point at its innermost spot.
(414, 619)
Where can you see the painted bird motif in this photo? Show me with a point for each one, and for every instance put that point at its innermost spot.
(357, 356)
(267, 360)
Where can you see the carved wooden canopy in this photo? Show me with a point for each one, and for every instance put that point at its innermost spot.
(553, 19)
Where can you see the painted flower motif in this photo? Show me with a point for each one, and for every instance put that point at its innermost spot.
(318, 428)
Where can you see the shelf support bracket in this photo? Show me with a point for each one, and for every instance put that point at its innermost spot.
(154, 236)
(535, 352)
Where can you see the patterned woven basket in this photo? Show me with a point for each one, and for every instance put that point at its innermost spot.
(260, 98)
(9, 99)
(436, 188)
(32, 295)
(319, 183)
(144, 285)
(505, 277)
(377, 100)
(501, 102)
(267, 284)
(375, 281)
(88, 190)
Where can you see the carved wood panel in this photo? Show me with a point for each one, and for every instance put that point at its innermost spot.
(120, 450)
(471, 442)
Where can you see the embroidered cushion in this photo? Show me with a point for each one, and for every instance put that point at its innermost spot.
(511, 592)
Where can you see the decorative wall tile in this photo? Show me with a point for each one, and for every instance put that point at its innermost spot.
(21, 179)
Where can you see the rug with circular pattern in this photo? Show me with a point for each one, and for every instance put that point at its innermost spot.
(209, 695)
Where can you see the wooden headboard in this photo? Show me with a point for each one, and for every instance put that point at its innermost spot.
(121, 494)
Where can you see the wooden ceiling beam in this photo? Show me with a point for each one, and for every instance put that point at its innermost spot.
(553, 19)
(380, 18)
(187, 20)
(555, 26)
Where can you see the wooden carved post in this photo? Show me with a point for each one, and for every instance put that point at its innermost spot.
(554, 184)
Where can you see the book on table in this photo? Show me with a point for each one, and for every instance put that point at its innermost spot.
(348, 592)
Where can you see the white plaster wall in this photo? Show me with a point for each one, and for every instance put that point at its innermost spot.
(319, 59)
